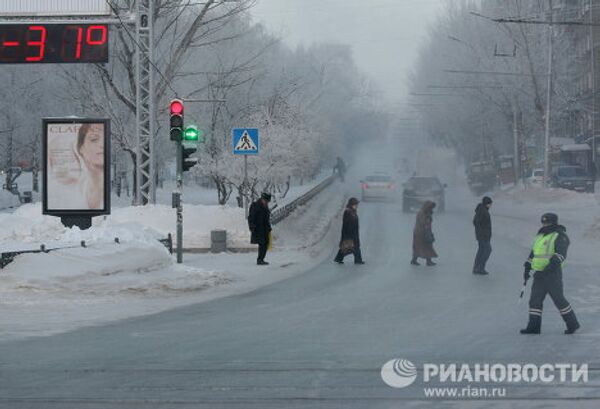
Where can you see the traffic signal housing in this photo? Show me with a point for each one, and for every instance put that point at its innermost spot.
(187, 162)
(176, 120)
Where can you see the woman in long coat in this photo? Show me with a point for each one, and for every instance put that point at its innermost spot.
(423, 235)
(350, 241)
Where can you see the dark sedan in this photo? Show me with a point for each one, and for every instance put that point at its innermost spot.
(419, 189)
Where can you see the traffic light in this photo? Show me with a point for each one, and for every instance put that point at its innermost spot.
(194, 134)
(191, 134)
(176, 121)
(187, 162)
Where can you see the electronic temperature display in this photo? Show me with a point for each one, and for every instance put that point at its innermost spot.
(53, 43)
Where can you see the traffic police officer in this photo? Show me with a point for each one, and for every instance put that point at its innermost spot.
(545, 260)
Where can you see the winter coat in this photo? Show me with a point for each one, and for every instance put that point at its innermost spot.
(259, 222)
(350, 229)
(423, 235)
(560, 247)
(483, 223)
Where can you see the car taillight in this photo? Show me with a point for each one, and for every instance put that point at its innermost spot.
(365, 186)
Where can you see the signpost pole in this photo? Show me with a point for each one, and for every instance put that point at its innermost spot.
(246, 197)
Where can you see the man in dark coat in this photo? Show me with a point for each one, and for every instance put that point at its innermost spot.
(545, 260)
(483, 233)
(423, 235)
(259, 222)
(340, 168)
(350, 241)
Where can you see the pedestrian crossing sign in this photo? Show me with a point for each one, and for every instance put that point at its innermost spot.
(245, 141)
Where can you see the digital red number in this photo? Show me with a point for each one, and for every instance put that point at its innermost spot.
(67, 41)
(41, 43)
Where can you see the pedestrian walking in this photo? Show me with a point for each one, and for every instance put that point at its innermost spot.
(546, 260)
(483, 233)
(423, 237)
(259, 222)
(350, 241)
(340, 168)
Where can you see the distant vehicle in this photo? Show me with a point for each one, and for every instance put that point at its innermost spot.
(481, 177)
(537, 177)
(419, 189)
(572, 177)
(379, 186)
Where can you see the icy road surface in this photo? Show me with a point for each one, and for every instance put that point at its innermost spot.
(319, 339)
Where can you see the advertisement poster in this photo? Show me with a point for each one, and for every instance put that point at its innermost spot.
(77, 163)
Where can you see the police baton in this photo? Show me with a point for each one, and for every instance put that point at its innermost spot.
(523, 289)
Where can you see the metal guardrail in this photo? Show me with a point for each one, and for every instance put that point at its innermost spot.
(7, 257)
(281, 213)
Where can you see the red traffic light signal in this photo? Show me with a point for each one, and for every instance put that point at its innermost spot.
(176, 122)
(176, 107)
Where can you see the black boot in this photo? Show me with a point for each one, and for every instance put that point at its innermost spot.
(414, 262)
(571, 321)
(534, 326)
(430, 263)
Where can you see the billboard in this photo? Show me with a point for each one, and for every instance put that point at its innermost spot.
(41, 8)
(76, 160)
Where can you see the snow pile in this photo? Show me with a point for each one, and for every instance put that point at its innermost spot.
(102, 270)
(198, 222)
(28, 225)
(138, 263)
(558, 198)
(133, 223)
(7, 199)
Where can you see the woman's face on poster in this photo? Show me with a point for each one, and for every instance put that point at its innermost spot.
(92, 149)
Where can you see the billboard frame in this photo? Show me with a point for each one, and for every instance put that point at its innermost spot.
(107, 168)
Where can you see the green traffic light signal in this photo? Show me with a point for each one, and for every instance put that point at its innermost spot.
(191, 134)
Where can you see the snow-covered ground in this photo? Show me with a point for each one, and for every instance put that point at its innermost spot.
(42, 294)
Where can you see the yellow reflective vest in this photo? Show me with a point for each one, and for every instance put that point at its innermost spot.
(543, 250)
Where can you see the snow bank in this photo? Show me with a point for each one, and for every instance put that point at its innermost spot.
(198, 222)
(557, 198)
(7, 199)
(134, 223)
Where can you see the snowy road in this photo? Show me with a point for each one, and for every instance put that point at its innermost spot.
(319, 339)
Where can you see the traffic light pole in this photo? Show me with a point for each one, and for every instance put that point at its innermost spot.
(178, 202)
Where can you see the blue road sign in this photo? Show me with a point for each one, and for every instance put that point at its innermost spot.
(245, 141)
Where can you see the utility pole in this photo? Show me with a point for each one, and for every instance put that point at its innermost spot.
(516, 153)
(145, 113)
(593, 69)
(548, 98)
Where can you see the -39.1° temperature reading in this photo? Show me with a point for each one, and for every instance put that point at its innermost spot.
(53, 43)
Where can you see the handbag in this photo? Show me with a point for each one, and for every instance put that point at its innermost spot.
(347, 246)
(429, 237)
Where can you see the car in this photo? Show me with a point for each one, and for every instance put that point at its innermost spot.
(481, 177)
(572, 177)
(378, 187)
(419, 189)
(537, 176)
